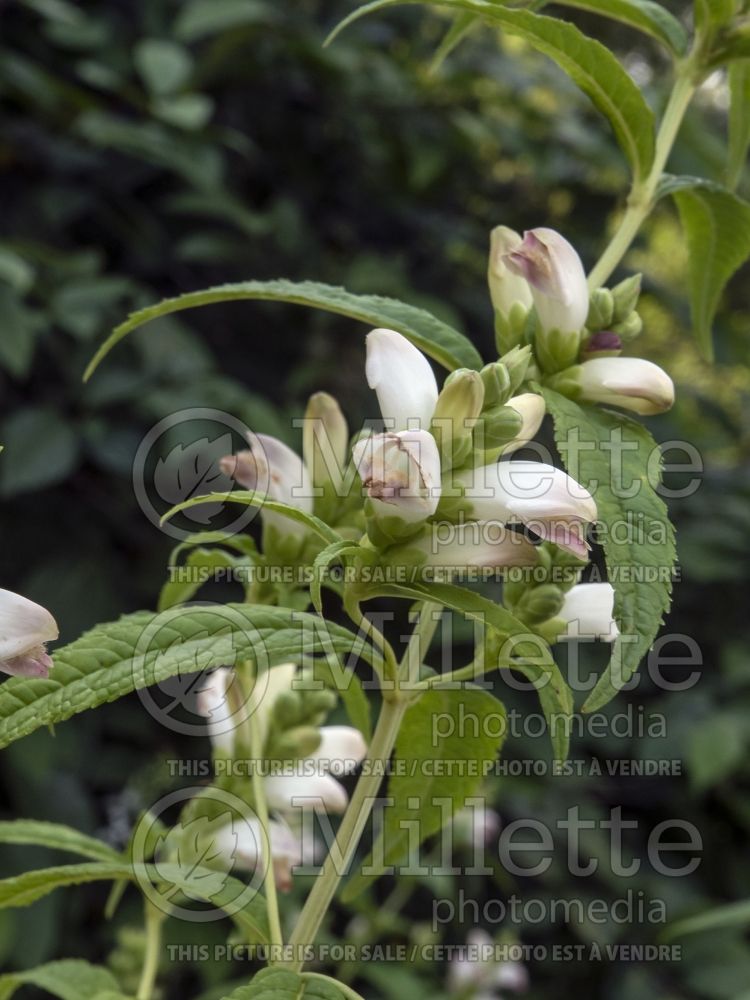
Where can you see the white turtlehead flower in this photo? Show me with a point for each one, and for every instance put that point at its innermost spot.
(507, 288)
(632, 383)
(539, 496)
(557, 278)
(531, 408)
(587, 610)
(272, 468)
(476, 971)
(401, 473)
(402, 379)
(240, 845)
(473, 544)
(25, 628)
(307, 783)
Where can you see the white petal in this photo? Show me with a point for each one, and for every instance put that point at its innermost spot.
(341, 749)
(588, 609)
(506, 287)
(403, 380)
(475, 544)
(531, 408)
(319, 792)
(553, 268)
(632, 383)
(24, 625)
(213, 703)
(401, 473)
(269, 684)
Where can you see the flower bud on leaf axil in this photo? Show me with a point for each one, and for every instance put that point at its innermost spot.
(544, 499)
(586, 613)
(625, 298)
(457, 410)
(401, 474)
(509, 291)
(270, 467)
(632, 383)
(402, 379)
(25, 628)
(601, 310)
(560, 292)
(325, 440)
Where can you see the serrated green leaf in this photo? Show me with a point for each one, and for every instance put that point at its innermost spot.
(554, 694)
(640, 566)
(282, 984)
(446, 345)
(56, 836)
(421, 791)
(145, 648)
(588, 63)
(22, 890)
(69, 979)
(651, 18)
(739, 121)
(716, 224)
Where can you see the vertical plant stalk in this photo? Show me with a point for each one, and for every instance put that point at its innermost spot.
(641, 199)
(355, 819)
(154, 918)
(261, 808)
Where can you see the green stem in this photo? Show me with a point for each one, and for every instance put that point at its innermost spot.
(390, 663)
(261, 808)
(154, 918)
(348, 834)
(364, 797)
(641, 199)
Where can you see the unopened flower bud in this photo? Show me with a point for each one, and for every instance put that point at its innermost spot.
(295, 743)
(25, 628)
(601, 309)
(287, 709)
(632, 383)
(324, 441)
(586, 613)
(604, 344)
(540, 603)
(499, 425)
(517, 362)
(625, 297)
(561, 297)
(629, 328)
(497, 386)
(457, 410)
(507, 287)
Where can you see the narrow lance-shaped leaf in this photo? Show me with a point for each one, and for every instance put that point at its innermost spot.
(57, 837)
(588, 63)
(739, 121)
(145, 648)
(68, 979)
(716, 223)
(431, 335)
(651, 18)
(638, 538)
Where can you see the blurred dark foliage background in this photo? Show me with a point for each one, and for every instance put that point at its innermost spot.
(150, 147)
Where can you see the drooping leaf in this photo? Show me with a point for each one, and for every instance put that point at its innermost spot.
(459, 29)
(69, 979)
(56, 836)
(201, 566)
(716, 224)
(22, 890)
(252, 499)
(739, 121)
(651, 18)
(588, 63)
(638, 538)
(282, 984)
(554, 694)
(423, 795)
(146, 648)
(446, 345)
